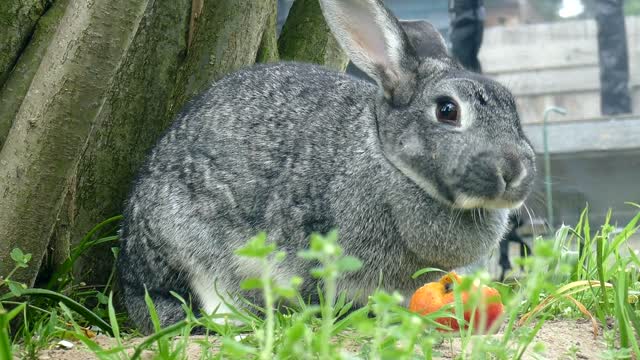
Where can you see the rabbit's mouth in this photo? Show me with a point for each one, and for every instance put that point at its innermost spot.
(492, 195)
(464, 201)
(492, 181)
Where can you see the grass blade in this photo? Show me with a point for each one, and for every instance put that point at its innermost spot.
(89, 315)
(426, 270)
(626, 232)
(635, 321)
(601, 274)
(60, 277)
(112, 318)
(158, 336)
(163, 344)
(5, 339)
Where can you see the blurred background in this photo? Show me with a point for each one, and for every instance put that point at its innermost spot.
(554, 53)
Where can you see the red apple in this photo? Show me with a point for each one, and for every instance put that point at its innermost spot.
(433, 296)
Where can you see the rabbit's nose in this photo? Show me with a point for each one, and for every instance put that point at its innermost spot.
(512, 171)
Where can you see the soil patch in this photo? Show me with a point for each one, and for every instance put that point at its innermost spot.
(562, 339)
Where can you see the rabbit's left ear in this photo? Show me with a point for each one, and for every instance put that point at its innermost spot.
(375, 42)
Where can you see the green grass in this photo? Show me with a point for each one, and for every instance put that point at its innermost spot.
(601, 283)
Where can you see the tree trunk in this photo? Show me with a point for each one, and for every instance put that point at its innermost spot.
(93, 87)
(13, 91)
(306, 37)
(17, 19)
(55, 119)
(268, 51)
(159, 74)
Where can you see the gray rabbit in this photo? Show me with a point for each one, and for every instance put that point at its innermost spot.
(418, 171)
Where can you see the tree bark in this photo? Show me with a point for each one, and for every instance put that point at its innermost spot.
(159, 74)
(55, 119)
(306, 37)
(13, 91)
(268, 50)
(94, 87)
(17, 19)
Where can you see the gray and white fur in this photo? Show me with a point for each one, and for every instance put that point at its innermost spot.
(292, 149)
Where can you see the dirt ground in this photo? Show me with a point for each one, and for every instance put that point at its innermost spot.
(567, 339)
(560, 339)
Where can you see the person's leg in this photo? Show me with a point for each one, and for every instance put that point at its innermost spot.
(467, 26)
(614, 58)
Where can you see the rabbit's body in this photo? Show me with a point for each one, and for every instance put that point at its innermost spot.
(292, 149)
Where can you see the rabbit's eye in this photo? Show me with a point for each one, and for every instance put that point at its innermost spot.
(447, 112)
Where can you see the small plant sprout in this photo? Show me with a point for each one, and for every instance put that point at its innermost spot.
(258, 249)
(326, 251)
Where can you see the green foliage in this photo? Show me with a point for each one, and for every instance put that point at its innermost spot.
(63, 275)
(44, 310)
(558, 282)
(632, 7)
(599, 280)
(5, 340)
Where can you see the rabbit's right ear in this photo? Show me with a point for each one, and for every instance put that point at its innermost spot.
(425, 39)
(375, 42)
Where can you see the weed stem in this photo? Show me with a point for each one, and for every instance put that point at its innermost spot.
(267, 349)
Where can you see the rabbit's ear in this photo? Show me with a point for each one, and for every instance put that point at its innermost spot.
(425, 39)
(375, 42)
